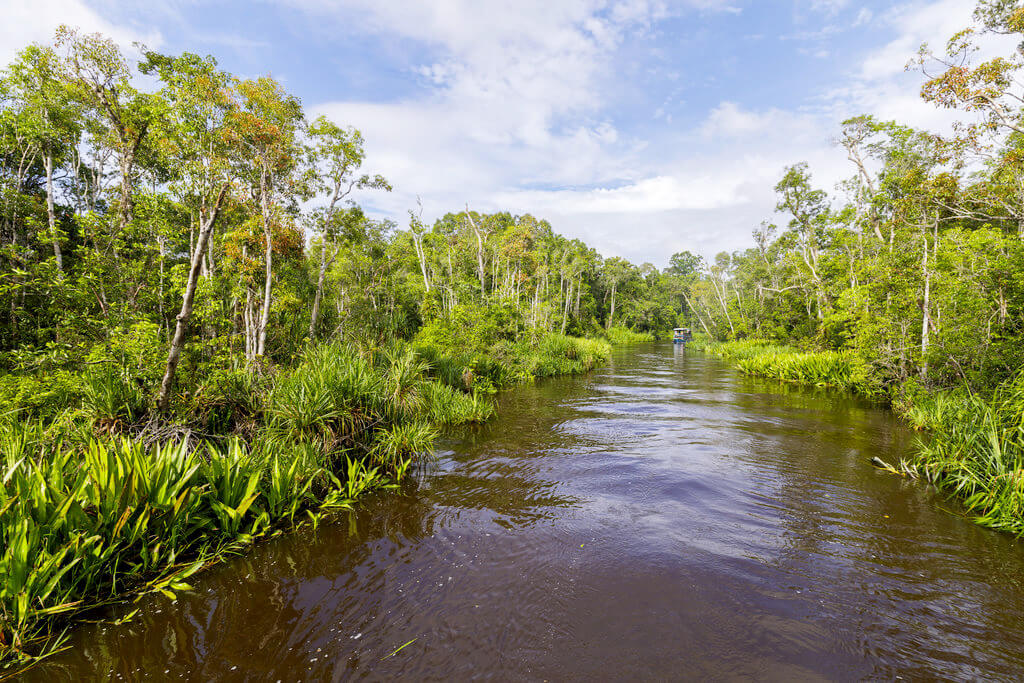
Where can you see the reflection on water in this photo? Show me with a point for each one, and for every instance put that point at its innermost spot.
(664, 517)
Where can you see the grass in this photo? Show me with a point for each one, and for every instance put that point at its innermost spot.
(976, 453)
(89, 515)
(86, 523)
(505, 364)
(619, 336)
(837, 369)
(975, 449)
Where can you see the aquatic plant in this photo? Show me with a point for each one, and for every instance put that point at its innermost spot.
(838, 369)
(80, 527)
(976, 453)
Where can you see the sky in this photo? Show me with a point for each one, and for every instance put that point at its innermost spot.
(643, 127)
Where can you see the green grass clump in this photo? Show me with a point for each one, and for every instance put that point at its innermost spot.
(557, 354)
(84, 524)
(837, 369)
(505, 363)
(618, 336)
(976, 453)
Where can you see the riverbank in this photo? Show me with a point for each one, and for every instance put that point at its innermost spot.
(975, 446)
(104, 500)
(704, 506)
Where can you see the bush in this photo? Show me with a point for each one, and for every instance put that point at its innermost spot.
(41, 396)
(618, 336)
(976, 453)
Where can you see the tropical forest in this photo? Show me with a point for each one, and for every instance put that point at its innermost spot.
(258, 423)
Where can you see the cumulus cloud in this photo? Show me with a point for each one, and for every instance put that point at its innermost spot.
(36, 21)
(513, 119)
(514, 109)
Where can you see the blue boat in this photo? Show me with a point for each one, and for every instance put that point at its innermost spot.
(681, 335)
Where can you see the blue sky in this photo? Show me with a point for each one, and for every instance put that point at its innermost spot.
(641, 126)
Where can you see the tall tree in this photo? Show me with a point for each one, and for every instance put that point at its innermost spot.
(266, 124)
(336, 154)
(195, 139)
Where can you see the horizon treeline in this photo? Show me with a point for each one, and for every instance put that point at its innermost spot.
(916, 262)
(204, 220)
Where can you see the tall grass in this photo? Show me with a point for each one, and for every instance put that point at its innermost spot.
(81, 525)
(505, 363)
(618, 336)
(976, 453)
(841, 370)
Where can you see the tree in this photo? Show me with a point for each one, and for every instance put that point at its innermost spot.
(808, 208)
(40, 93)
(265, 124)
(336, 154)
(614, 271)
(101, 78)
(195, 140)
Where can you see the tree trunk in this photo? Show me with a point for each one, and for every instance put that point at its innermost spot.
(697, 313)
(127, 209)
(565, 307)
(479, 253)
(611, 313)
(925, 321)
(268, 258)
(417, 243)
(181, 326)
(325, 263)
(51, 215)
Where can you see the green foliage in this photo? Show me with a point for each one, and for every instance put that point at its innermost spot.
(976, 453)
(111, 398)
(618, 336)
(81, 527)
(841, 370)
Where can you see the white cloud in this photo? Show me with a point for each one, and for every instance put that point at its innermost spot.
(513, 121)
(512, 112)
(863, 17)
(35, 22)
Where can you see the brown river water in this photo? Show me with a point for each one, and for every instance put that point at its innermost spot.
(661, 518)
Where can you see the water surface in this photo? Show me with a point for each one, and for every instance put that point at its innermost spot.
(661, 518)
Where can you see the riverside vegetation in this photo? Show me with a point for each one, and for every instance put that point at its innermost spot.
(205, 340)
(911, 290)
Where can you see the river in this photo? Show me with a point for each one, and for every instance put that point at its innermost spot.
(663, 517)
